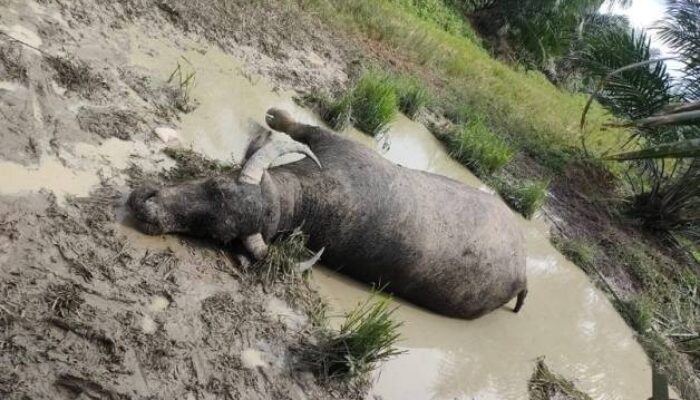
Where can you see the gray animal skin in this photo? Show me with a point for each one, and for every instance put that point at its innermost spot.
(431, 240)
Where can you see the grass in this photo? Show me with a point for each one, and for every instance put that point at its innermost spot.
(443, 14)
(109, 122)
(77, 76)
(546, 385)
(581, 252)
(183, 80)
(412, 95)
(374, 102)
(525, 197)
(11, 66)
(191, 165)
(475, 146)
(63, 299)
(523, 106)
(367, 336)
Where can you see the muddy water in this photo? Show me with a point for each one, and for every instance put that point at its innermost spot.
(566, 319)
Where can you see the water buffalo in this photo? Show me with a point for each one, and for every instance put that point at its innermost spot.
(431, 240)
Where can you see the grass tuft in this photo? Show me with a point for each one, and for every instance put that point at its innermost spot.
(11, 66)
(63, 299)
(77, 76)
(191, 165)
(579, 251)
(478, 148)
(374, 102)
(109, 122)
(183, 81)
(546, 385)
(367, 336)
(412, 95)
(283, 255)
(526, 197)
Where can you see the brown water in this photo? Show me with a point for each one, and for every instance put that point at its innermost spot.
(566, 319)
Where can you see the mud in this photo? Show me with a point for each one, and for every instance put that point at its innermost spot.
(137, 316)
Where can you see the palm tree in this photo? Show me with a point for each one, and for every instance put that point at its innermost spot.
(661, 112)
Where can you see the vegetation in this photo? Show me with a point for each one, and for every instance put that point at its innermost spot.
(183, 81)
(76, 76)
(367, 336)
(373, 102)
(11, 67)
(525, 197)
(412, 95)
(191, 165)
(474, 145)
(546, 385)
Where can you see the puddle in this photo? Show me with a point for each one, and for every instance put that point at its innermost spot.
(566, 319)
(76, 172)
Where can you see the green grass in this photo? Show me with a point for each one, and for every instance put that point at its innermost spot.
(525, 197)
(366, 337)
(374, 102)
(183, 80)
(477, 147)
(522, 106)
(579, 251)
(412, 95)
(443, 14)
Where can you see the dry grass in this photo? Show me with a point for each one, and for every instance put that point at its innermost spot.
(109, 122)
(546, 385)
(11, 66)
(77, 76)
(191, 165)
(63, 299)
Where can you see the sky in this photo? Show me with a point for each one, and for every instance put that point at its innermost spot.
(644, 14)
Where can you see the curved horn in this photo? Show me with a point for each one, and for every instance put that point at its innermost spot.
(257, 164)
(304, 266)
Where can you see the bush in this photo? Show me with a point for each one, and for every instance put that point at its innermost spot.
(374, 103)
(526, 197)
(475, 146)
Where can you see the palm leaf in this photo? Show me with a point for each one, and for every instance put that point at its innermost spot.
(680, 149)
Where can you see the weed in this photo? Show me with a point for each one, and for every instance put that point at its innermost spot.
(63, 299)
(411, 94)
(336, 112)
(443, 14)
(639, 313)
(109, 122)
(367, 336)
(374, 102)
(282, 258)
(191, 165)
(475, 146)
(546, 385)
(77, 76)
(183, 82)
(526, 197)
(579, 251)
(11, 66)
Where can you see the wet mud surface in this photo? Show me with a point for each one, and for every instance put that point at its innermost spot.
(91, 308)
